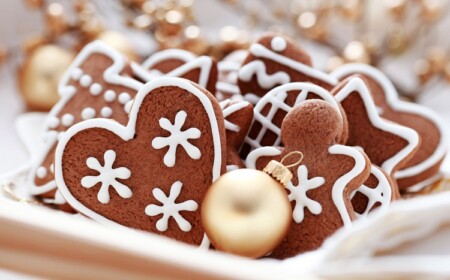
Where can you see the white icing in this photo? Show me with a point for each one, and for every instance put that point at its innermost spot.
(88, 113)
(110, 95)
(124, 97)
(57, 200)
(276, 99)
(41, 172)
(259, 50)
(176, 138)
(401, 106)
(85, 80)
(278, 44)
(52, 168)
(232, 167)
(228, 110)
(229, 88)
(52, 122)
(298, 194)
(204, 63)
(95, 89)
(169, 54)
(357, 85)
(253, 156)
(382, 193)
(128, 106)
(107, 177)
(342, 182)
(170, 208)
(266, 81)
(106, 112)
(76, 74)
(67, 91)
(67, 119)
(128, 132)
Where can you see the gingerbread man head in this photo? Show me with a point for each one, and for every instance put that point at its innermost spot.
(322, 185)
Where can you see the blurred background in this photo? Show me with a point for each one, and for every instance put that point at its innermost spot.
(38, 40)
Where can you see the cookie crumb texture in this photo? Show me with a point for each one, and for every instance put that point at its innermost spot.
(170, 164)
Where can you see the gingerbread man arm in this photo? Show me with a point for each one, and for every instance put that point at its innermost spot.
(345, 185)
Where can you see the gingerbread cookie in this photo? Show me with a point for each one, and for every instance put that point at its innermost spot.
(423, 167)
(276, 60)
(377, 192)
(325, 180)
(388, 144)
(238, 117)
(98, 84)
(228, 75)
(271, 109)
(164, 61)
(201, 70)
(153, 173)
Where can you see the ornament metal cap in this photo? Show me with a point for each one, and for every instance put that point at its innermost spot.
(281, 172)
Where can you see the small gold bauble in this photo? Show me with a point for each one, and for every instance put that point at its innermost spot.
(246, 212)
(40, 73)
(119, 42)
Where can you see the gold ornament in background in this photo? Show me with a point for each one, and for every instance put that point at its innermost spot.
(120, 43)
(39, 75)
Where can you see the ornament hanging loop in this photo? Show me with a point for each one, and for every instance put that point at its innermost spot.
(300, 154)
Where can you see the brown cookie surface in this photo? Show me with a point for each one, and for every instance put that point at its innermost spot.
(97, 85)
(322, 185)
(153, 173)
(276, 60)
(425, 163)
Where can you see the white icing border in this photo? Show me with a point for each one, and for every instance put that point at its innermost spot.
(357, 85)
(401, 106)
(204, 63)
(342, 182)
(273, 97)
(127, 133)
(66, 91)
(168, 54)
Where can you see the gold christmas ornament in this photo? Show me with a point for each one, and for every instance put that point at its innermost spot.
(119, 42)
(247, 212)
(39, 76)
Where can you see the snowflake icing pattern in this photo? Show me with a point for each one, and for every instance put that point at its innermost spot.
(298, 193)
(177, 137)
(108, 177)
(170, 208)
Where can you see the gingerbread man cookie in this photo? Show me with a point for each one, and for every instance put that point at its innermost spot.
(98, 84)
(423, 168)
(153, 173)
(276, 60)
(201, 70)
(271, 109)
(238, 117)
(322, 185)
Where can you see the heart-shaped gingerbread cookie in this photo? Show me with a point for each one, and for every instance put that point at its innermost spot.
(153, 173)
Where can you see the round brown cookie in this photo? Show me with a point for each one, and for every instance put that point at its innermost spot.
(271, 109)
(276, 60)
(153, 173)
(96, 85)
(378, 191)
(424, 166)
(238, 115)
(388, 144)
(201, 70)
(329, 173)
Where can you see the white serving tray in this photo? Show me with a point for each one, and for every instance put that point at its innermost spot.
(411, 240)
